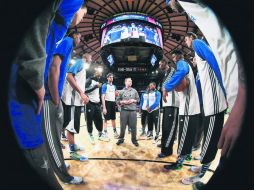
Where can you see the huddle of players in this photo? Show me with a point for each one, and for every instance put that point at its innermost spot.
(198, 105)
(202, 104)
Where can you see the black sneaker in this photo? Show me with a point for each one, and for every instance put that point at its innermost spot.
(119, 142)
(174, 166)
(198, 185)
(161, 155)
(136, 143)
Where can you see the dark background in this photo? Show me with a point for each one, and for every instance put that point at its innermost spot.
(16, 16)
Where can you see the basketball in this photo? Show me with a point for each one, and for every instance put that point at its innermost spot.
(184, 83)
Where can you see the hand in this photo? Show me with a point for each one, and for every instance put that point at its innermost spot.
(139, 110)
(228, 138)
(84, 98)
(164, 95)
(40, 96)
(99, 85)
(104, 110)
(148, 109)
(232, 127)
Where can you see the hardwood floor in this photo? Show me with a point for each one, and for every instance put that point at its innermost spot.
(117, 174)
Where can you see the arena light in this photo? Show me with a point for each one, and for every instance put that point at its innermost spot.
(99, 69)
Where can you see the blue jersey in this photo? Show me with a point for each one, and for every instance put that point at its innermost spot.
(64, 50)
(59, 27)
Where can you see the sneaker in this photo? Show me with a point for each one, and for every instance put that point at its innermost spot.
(91, 139)
(191, 180)
(104, 137)
(161, 155)
(188, 158)
(63, 137)
(136, 143)
(116, 135)
(197, 157)
(78, 148)
(119, 142)
(195, 169)
(174, 166)
(76, 156)
(67, 165)
(76, 180)
(198, 185)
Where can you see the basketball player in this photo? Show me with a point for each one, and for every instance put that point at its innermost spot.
(152, 105)
(73, 100)
(108, 98)
(214, 102)
(170, 106)
(27, 77)
(93, 107)
(143, 110)
(189, 110)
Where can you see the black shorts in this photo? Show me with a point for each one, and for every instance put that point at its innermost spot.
(111, 110)
(72, 118)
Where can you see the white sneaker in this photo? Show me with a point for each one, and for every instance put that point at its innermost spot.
(67, 165)
(191, 180)
(116, 135)
(104, 137)
(197, 157)
(91, 139)
(195, 169)
(76, 180)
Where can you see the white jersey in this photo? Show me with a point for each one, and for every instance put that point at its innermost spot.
(109, 91)
(149, 99)
(71, 96)
(172, 99)
(94, 96)
(189, 102)
(221, 44)
(212, 95)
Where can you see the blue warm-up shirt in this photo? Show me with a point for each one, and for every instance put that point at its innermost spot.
(59, 27)
(64, 50)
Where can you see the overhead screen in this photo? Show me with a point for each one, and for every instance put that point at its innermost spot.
(131, 27)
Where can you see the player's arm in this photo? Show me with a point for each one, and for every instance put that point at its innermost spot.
(53, 78)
